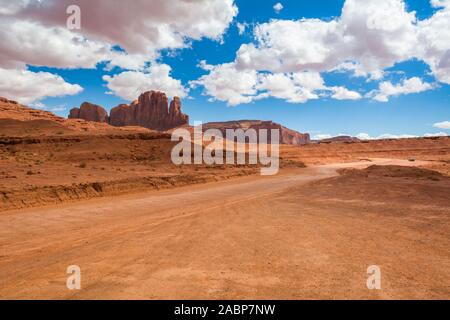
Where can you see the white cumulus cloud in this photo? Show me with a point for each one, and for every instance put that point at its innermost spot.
(374, 34)
(367, 38)
(341, 93)
(27, 87)
(285, 86)
(142, 27)
(226, 83)
(407, 86)
(130, 84)
(434, 40)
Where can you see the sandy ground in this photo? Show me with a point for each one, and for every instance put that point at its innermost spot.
(254, 237)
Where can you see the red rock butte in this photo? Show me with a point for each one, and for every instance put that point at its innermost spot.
(151, 111)
(89, 112)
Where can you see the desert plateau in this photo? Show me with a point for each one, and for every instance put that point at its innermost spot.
(110, 200)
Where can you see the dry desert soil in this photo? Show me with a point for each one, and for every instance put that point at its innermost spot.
(109, 201)
(306, 233)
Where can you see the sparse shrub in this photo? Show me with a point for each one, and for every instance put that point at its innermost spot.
(83, 165)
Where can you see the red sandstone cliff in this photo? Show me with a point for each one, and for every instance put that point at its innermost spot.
(151, 111)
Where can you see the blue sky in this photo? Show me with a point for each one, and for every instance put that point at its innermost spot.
(412, 113)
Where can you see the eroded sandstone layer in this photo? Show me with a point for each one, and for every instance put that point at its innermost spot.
(151, 111)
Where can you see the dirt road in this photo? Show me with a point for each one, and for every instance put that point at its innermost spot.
(246, 238)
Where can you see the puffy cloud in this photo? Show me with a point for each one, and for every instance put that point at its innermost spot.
(341, 93)
(285, 86)
(376, 34)
(141, 28)
(129, 84)
(373, 34)
(387, 89)
(26, 42)
(442, 125)
(434, 40)
(369, 37)
(289, 46)
(126, 61)
(278, 7)
(27, 87)
(226, 83)
(309, 80)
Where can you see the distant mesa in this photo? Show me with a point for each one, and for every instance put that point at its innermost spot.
(287, 136)
(340, 139)
(150, 111)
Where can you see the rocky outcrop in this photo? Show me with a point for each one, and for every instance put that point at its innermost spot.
(176, 117)
(150, 111)
(293, 137)
(89, 112)
(287, 136)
